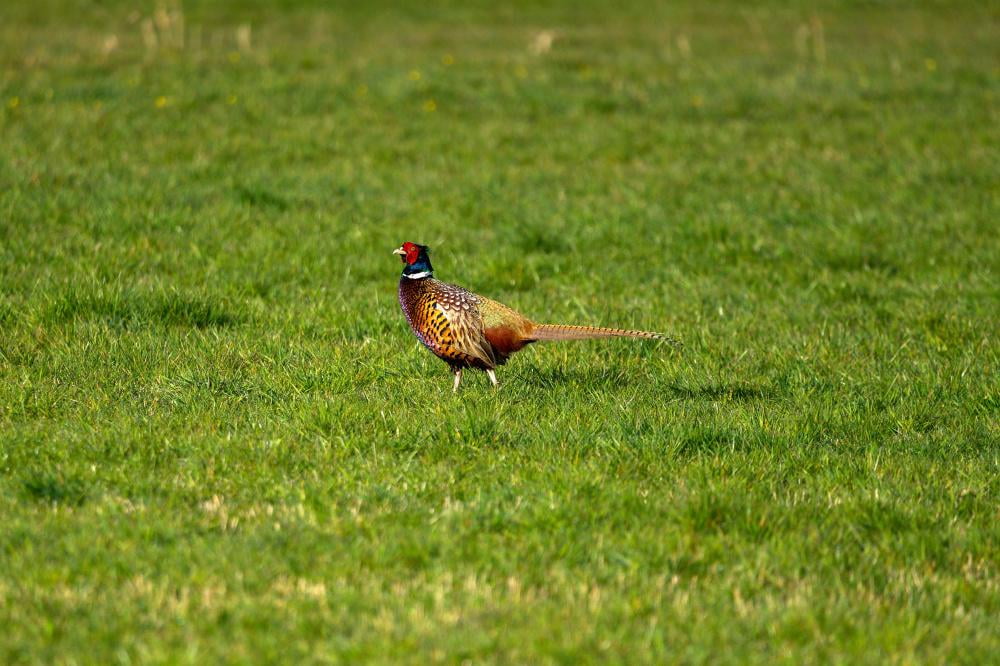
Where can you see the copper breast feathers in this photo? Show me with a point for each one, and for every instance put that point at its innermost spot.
(446, 319)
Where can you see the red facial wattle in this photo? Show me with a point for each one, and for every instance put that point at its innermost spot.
(412, 252)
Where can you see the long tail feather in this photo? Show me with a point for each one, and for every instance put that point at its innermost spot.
(562, 332)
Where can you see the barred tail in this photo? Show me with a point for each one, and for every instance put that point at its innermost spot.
(561, 332)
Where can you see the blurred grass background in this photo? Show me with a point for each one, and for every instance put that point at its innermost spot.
(219, 441)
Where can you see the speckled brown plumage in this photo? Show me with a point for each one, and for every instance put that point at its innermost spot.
(449, 321)
(470, 331)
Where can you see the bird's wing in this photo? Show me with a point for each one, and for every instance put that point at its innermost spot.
(496, 314)
(458, 325)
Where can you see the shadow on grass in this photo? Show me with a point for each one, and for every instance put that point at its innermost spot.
(131, 310)
(862, 262)
(260, 197)
(606, 377)
(610, 377)
(731, 392)
(52, 490)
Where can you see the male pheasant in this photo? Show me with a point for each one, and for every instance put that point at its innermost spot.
(467, 330)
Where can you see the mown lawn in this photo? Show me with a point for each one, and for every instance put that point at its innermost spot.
(219, 442)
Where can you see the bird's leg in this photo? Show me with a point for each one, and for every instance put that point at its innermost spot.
(493, 377)
(458, 379)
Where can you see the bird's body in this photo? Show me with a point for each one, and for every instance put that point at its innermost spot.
(460, 327)
(467, 330)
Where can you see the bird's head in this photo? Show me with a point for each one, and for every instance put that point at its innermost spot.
(416, 263)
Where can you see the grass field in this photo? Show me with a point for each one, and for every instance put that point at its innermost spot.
(219, 441)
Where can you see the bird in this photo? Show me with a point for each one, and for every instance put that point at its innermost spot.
(467, 330)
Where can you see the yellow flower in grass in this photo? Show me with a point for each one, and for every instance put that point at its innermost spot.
(161, 102)
(13, 102)
(447, 59)
(414, 75)
(430, 106)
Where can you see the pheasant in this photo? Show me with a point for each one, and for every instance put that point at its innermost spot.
(467, 330)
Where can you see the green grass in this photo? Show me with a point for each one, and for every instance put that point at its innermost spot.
(220, 442)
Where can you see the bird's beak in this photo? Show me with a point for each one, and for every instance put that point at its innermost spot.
(399, 251)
